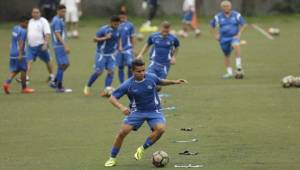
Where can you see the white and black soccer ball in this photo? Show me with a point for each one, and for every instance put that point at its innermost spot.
(160, 159)
(108, 91)
(288, 81)
(274, 31)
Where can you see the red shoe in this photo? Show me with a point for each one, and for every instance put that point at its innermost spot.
(6, 88)
(27, 90)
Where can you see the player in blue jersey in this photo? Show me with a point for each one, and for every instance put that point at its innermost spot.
(126, 55)
(144, 106)
(17, 62)
(164, 50)
(107, 39)
(227, 27)
(61, 48)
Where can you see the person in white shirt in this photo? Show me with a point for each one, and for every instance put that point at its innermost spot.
(72, 16)
(189, 12)
(38, 35)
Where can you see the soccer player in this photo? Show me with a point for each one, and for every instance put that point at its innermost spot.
(38, 41)
(107, 39)
(227, 27)
(164, 50)
(126, 55)
(17, 61)
(153, 6)
(144, 106)
(72, 16)
(189, 12)
(61, 49)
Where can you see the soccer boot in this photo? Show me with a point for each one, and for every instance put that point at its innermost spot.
(27, 90)
(227, 76)
(111, 162)
(139, 153)
(6, 88)
(87, 91)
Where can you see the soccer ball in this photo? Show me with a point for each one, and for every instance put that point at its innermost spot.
(108, 91)
(239, 75)
(288, 81)
(274, 31)
(160, 159)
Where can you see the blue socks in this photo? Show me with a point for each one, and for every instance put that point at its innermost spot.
(109, 79)
(114, 152)
(8, 81)
(93, 78)
(121, 74)
(59, 77)
(148, 143)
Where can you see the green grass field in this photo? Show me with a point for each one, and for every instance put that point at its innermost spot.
(250, 124)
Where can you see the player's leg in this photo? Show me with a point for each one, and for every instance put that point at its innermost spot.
(13, 66)
(98, 69)
(237, 49)
(226, 48)
(23, 68)
(31, 53)
(45, 57)
(157, 124)
(129, 58)
(110, 66)
(120, 64)
(124, 131)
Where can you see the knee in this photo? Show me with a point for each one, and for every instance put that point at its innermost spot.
(122, 133)
(110, 72)
(160, 130)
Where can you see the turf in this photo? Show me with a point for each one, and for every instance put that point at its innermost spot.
(241, 124)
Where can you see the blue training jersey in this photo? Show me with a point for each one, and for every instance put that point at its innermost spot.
(142, 95)
(108, 46)
(228, 26)
(126, 30)
(18, 34)
(163, 47)
(57, 25)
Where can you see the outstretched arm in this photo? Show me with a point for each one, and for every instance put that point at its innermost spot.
(115, 102)
(166, 82)
(143, 51)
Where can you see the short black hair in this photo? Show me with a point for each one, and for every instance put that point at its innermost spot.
(137, 63)
(61, 6)
(166, 24)
(114, 18)
(23, 19)
(122, 13)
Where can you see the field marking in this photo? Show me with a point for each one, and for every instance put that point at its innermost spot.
(262, 31)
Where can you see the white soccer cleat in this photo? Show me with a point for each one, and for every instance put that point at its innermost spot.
(111, 162)
(139, 153)
(87, 91)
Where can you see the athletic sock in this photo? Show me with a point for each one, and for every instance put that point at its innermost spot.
(114, 152)
(92, 79)
(8, 81)
(229, 70)
(129, 73)
(109, 79)
(238, 62)
(121, 74)
(59, 77)
(147, 143)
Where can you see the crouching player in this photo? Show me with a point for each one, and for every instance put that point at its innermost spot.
(17, 61)
(231, 25)
(144, 106)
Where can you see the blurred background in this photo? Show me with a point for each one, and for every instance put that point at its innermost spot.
(12, 9)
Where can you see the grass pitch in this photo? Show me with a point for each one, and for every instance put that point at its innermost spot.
(240, 124)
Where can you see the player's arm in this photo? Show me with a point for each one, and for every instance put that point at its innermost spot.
(242, 29)
(47, 32)
(143, 51)
(104, 38)
(115, 102)
(166, 82)
(62, 41)
(213, 28)
(21, 44)
(120, 46)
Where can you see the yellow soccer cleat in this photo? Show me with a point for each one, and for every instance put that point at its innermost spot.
(111, 162)
(139, 153)
(86, 91)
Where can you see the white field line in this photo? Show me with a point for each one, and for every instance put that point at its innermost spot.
(262, 31)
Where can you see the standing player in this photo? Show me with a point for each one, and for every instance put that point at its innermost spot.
(231, 25)
(107, 39)
(72, 16)
(125, 56)
(153, 6)
(163, 52)
(144, 106)
(189, 13)
(60, 47)
(17, 61)
(38, 42)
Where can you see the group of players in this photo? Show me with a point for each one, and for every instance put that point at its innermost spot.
(114, 46)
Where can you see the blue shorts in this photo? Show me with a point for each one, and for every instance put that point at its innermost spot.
(226, 45)
(159, 70)
(62, 57)
(33, 52)
(16, 66)
(187, 17)
(103, 61)
(125, 58)
(136, 119)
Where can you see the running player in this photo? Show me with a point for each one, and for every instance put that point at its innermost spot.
(144, 106)
(17, 62)
(227, 27)
(107, 39)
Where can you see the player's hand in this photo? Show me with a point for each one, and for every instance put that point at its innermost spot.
(139, 57)
(238, 36)
(67, 49)
(125, 111)
(217, 37)
(120, 49)
(181, 81)
(20, 57)
(45, 47)
(108, 36)
(173, 61)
